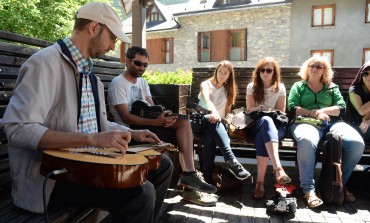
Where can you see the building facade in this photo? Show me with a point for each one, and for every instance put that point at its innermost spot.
(201, 33)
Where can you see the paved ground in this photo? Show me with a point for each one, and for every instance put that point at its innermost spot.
(238, 206)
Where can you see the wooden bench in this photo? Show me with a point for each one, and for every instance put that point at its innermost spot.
(14, 51)
(287, 149)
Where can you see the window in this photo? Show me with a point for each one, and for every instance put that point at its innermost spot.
(154, 15)
(328, 54)
(237, 47)
(216, 46)
(205, 45)
(323, 15)
(231, 2)
(366, 55)
(160, 50)
(367, 12)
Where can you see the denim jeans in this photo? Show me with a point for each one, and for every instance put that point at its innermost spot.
(215, 135)
(308, 136)
(265, 131)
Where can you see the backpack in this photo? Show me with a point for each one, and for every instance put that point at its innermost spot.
(330, 180)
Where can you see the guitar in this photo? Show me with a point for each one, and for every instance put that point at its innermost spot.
(238, 119)
(145, 110)
(104, 168)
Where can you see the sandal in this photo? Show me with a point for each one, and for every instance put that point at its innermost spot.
(259, 191)
(283, 178)
(312, 200)
(348, 196)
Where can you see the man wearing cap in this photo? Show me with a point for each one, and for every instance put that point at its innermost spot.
(58, 102)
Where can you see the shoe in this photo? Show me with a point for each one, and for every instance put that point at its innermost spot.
(283, 178)
(312, 200)
(238, 170)
(259, 191)
(348, 196)
(200, 198)
(195, 181)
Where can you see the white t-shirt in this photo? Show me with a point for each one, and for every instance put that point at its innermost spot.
(271, 96)
(217, 96)
(121, 91)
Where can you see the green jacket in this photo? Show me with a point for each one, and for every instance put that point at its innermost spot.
(301, 95)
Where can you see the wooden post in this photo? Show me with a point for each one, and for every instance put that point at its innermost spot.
(138, 24)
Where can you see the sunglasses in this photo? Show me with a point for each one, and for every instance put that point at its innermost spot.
(316, 66)
(139, 64)
(268, 70)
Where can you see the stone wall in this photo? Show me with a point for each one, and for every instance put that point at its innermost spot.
(268, 34)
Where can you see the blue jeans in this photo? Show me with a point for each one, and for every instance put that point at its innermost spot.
(215, 135)
(265, 131)
(308, 136)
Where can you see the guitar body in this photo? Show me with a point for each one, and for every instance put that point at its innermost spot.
(145, 110)
(122, 171)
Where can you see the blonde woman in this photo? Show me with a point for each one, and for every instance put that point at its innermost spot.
(318, 97)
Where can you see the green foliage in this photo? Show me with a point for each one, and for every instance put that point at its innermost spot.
(43, 19)
(178, 77)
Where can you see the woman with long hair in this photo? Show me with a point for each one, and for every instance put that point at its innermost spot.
(217, 94)
(359, 106)
(316, 96)
(265, 92)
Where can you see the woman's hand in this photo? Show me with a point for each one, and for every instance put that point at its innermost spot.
(214, 118)
(323, 116)
(364, 127)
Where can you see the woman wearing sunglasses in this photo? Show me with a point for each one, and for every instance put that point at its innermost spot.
(359, 106)
(317, 97)
(265, 92)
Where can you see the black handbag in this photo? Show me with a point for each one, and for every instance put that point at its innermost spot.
(279, 117)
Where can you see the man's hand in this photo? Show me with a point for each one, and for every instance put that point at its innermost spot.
(166, 119)
(144, 136)
(116, 139)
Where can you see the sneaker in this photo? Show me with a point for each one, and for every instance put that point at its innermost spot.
(200, 198)
(196, 182)
(238, 170)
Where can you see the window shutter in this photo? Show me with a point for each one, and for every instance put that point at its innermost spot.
(219, 46)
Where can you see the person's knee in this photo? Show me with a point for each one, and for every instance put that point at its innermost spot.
(266, 120)
(149, 190)
(166, 163)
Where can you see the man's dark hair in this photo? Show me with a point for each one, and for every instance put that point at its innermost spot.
(132, 51)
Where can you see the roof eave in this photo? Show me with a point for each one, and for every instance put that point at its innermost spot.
(232, 8)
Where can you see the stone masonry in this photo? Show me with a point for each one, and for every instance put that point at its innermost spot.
(268, 34)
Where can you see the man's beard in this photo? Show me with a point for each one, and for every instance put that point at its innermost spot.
(135, 73)
(95, 50)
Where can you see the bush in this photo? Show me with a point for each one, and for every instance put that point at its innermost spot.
(178, 77)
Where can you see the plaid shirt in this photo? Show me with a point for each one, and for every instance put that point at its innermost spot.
(87, 122)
